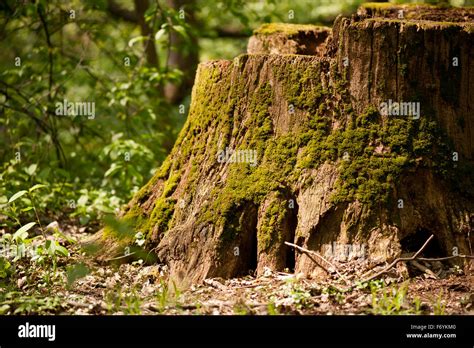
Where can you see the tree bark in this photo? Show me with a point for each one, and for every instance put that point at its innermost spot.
(296, 148)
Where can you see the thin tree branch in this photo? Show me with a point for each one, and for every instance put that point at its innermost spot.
(461, 256)
(311, 252)
(411, 258)
(50, 48)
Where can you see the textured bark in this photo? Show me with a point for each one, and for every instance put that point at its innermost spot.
(288, 39)
(330, 168)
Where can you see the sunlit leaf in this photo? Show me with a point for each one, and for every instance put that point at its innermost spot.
(17, 195)
(136, 39)
(31, 169)
(22, 232)
(36, 187)
(159, 34)
(181, 30)
(62, 250)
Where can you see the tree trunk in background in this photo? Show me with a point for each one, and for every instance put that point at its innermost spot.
(329, 170)
(183, 55)
(149, 45)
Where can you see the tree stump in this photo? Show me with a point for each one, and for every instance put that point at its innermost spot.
(355, 143)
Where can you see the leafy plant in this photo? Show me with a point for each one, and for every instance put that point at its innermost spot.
(165, 297)
(393, 301)
(117, 300)
(38, 249)
(14, 302)
(298, 295)
(439, 307)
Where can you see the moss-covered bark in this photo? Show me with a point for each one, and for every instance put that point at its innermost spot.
(329, 167)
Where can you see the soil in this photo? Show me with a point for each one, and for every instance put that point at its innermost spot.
(147, 289)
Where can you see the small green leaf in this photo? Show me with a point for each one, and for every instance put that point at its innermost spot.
(82, 201)
(113, 169)
(181, 30)
(4, 267)
(135, 40)
(4, 309)
(84, 219)
(62, 250)
(160, 33)
(36, 187)
(31, 169)
(17, 195)
(22, 232)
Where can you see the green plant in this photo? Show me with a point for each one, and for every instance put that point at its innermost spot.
(14, 302)
(298, 295)
(241, 308)
(439, 306)
(272, 308)
(165, 297)
(334, 293)
(373, 284)
(5, 268)
(117, 300)
(40, 249)
(393, 301)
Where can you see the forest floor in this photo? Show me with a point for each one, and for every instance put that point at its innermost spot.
(78, 285)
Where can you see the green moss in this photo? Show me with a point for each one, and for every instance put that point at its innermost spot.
(302, 84)
(161, 215)
(402, 68)
(171, 184)
(224, 96)
(388, 5)
(269, 233)
(469, 28)
(371, 177)
(416, 23)
(378, 5)
(286, 28)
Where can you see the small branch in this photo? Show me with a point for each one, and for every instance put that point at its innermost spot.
(446, 258)
(311, 252)
(215, 284)
(424, 269)
(50, 49)
(411, 258)
(120, 257)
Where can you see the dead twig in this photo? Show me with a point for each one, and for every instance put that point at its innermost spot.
(120, 257)
(215, 284)
(446, 258)
(424, 269)
(397, 260)
(308, 253)
(311, 252)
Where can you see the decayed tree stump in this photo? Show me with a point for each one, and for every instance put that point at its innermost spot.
(362, 136)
